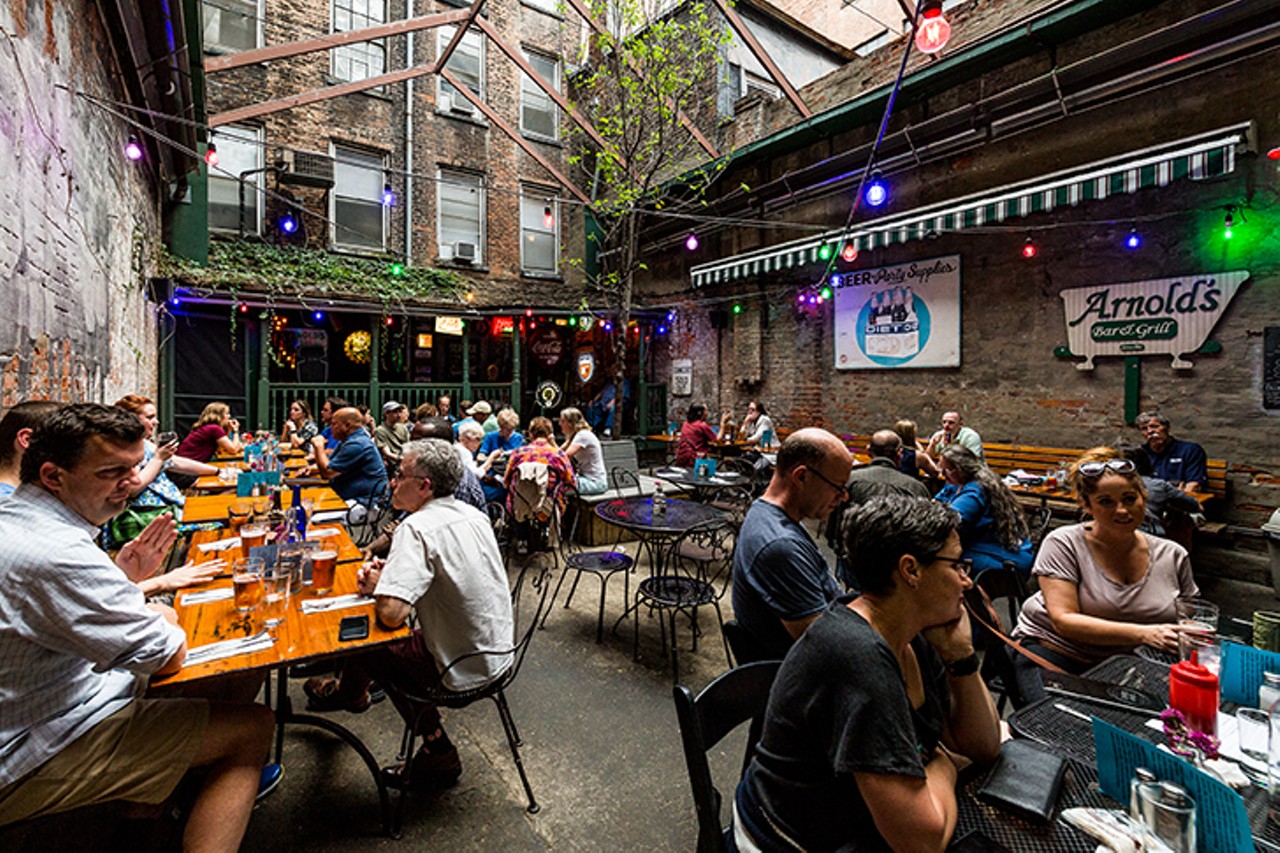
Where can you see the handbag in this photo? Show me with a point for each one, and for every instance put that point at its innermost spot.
(1026, 781)
(126, 526)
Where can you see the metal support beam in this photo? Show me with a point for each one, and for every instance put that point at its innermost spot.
(740, 27)
(514, 135)
(461, 31)
(214, 64)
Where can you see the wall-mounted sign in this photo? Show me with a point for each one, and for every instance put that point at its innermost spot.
(548, 395)
(448, 325)
(503, 325)
(1162, 316)
(586, 366)
(901, 316)
(546, 346)
(681, 377)
(424, 341)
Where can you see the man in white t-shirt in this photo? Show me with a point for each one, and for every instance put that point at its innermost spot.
(954, 431)
(445, 564)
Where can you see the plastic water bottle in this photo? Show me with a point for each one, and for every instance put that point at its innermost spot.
(1273, 766)
(659, 504)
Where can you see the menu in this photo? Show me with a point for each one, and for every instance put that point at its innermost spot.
(1241, 675)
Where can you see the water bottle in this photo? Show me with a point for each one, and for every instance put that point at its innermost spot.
(1269, 690)
(659, 505)
(1273, 765)
(299, 513)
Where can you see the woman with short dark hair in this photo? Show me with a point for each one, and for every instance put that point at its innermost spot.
(873, 699)
(696, 435)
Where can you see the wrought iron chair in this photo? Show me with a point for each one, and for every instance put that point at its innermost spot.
(739, 695)
(366, 516)
(735, 500)
(603, 564)
(443, 697)
(695, 574)
(1006, 585)
(502, 522)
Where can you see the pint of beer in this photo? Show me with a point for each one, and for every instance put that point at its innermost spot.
(322, 566)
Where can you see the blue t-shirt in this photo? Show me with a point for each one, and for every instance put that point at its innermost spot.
(358, 466)
(494, 441)
(778, 573)
(978, 529)
(329, 441)
(1181, 462)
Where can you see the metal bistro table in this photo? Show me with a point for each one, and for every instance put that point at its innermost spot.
(702, 487)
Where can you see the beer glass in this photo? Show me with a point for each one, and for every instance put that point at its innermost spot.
(246, 576)
(323, 563)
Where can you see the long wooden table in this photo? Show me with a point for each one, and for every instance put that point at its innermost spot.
(204, 508)
(348, 551)
(1045, 494)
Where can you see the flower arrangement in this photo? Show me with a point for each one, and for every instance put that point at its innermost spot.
(1186, 741)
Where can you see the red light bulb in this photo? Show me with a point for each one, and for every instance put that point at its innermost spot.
(1029, 249)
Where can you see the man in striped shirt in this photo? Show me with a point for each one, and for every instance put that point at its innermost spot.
(78, 643)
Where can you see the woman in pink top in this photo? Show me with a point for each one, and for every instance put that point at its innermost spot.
(696, 435)
(1105, 586)
(215, 431)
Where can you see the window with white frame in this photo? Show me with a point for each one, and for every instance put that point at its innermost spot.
(460, 222)
(466, 63)
(231, 25)
(364, 59)
(239, 150)
(359, 219)
(539, 115)
(539, 231)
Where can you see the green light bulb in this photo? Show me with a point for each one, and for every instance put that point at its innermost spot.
(1226, 234)
(826, 293)
(824, 251)
(737, 309)
(397, 269)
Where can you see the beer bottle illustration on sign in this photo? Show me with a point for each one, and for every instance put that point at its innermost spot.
(892, 327)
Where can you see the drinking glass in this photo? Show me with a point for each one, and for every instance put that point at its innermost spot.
(262, 504)
(1169, 813)
(246, 575)
(166, 437)
(289, 555)
(323, 562)
(275, 586)
(252, 536)
(1254, 729)
(1198, 612)
(1202, 649)
(237, 515)
(1266, 630)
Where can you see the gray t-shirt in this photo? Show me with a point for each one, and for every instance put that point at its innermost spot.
(590, 458)
(445, 561)
(1065, 555)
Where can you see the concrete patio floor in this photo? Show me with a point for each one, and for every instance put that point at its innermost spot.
(602, 749)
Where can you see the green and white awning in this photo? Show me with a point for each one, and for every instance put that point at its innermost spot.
(1204, 156)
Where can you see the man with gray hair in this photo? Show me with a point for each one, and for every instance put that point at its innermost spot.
(445, 564)
(1182, 463)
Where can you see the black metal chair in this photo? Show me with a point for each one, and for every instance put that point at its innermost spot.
(744, 646)
(602, 564)
(366, 516)
(695, 574)
(443, 697)
(502, 522)
(739, 695)
(1006, 585)
(624, 482)
(735, 500)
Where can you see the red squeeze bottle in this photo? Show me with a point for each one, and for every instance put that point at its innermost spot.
(1193, 690)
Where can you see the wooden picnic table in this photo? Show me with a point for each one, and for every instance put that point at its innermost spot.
(203, 508)
(214, 483)
(290, 462)
(1046, 493)
(348, 551)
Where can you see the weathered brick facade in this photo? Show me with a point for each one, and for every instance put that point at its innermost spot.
(79, 224)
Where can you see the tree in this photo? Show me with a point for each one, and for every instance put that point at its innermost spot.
(648, 69)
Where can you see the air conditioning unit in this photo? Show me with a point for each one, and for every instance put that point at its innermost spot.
(465, 252)
(305, 168)
(460, 105)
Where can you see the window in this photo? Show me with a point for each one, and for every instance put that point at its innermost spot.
(364, 59)
(359, 219)
(874, 43)
(461, 216)
(239, 150)
(539, 242)
(465, 63)
(539, 115)
(231, 25)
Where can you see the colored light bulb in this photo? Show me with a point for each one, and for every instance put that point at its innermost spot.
(211, 154)
(849, 253)
(1029, 249)
(133, 149)
(877, 191)
(691, 242)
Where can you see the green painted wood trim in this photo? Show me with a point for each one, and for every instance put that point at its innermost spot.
(1132, 387)
(466, 360)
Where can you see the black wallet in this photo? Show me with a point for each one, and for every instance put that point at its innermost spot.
(1026, 781)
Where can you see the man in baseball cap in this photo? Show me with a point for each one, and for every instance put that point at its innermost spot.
(390, 435)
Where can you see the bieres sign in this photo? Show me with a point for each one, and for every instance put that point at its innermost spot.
(1169, 316)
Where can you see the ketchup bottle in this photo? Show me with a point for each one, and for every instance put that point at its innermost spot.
(1193, 690)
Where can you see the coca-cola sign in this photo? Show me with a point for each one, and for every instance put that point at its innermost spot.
(546, 346)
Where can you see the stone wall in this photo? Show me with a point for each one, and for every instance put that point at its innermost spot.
(79, 223)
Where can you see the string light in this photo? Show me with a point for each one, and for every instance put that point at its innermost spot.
(211, 154)
(737, 308)
(934, 31)
(691, 242)
(1134, 240)
(1228, 223)
(835, 280)
(608, 326)
(388, 196)
(824, 252)
(548, 218)
(318, 316)
(825, 293)
(850, 252)
(1029, 249)
(877, 191)
(397, 269)
(662, 330)
(288, 224)
(133, 149)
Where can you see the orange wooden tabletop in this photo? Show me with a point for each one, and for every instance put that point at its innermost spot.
(238, 462)
(202, 508)
(300, 637)
(348, 551)
(1063, 494)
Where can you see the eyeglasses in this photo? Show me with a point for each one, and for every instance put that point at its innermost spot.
(962, 565)
(823, 477)
(1097, 469)
(401, 477)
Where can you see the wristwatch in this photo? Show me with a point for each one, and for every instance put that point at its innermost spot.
(963, 666)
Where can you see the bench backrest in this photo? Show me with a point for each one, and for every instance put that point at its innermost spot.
(620, 454)
(1003, 458)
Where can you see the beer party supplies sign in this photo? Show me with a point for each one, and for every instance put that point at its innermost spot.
(901, 316)
(1163, 316)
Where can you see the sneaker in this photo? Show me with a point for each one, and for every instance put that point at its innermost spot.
(430, 770)
(271, 776)
(323, 694)
(376, 693)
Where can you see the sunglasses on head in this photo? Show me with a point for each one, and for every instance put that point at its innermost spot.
(1097, 469)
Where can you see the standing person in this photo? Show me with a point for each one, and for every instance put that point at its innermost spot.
(15, 434)
(77, 641)
(327, 410)
(299, 428)
(871, 703)
(392, 434)
(1105, 586)
(955, 432)
(696, 435)
(355, 471)
(445, 564)
(757, 423)
(1182, 463)
(582, 446)
(914, 460)
(780, 580)
(993, 527)
(214, 431)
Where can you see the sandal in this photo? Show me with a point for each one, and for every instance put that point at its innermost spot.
(325, 694)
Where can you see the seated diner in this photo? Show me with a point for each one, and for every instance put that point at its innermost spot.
(214, 431)
(696, 435)
(992, 526)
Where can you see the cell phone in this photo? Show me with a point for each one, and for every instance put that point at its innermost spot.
(353, 628)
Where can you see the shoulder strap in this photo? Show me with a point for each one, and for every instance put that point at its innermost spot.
(992, 624)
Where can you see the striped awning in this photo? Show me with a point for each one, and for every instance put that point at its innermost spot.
(1204, 156)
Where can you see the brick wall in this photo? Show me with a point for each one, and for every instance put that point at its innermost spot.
(78, 223)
